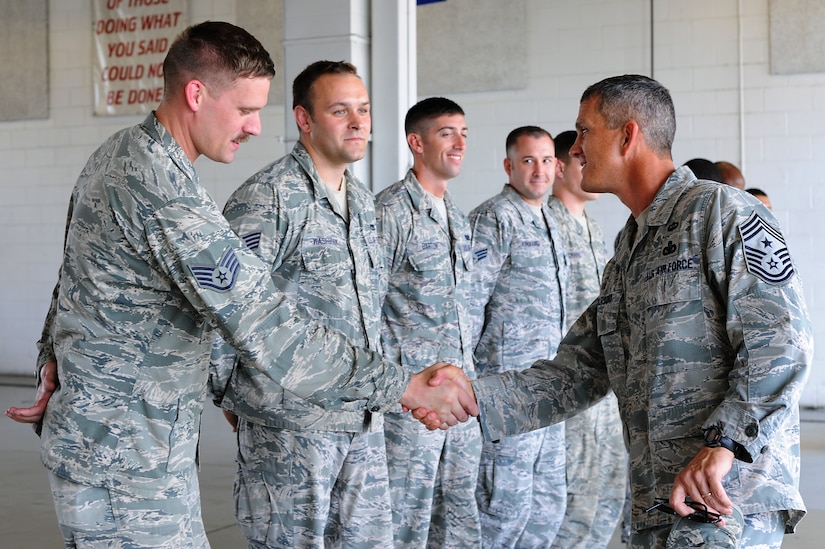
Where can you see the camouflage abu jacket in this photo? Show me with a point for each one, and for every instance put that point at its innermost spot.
(149, 265)
(702, 323)
(519, 280)
(331, 267)
(586, 257)
(425, 317)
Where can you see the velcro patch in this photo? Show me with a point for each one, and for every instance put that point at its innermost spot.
(252, 240)
(220, 277)
(766, 255)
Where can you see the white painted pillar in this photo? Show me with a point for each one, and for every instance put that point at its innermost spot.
(378, 37)
(394, 87)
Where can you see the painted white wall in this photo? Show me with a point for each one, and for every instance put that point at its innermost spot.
(772, 126)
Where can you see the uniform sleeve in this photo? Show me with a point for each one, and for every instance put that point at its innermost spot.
(491, 248)
(233, 288)
(391, 237)
(767, 325)
(253, 213)
(45, 345)
(548, 392)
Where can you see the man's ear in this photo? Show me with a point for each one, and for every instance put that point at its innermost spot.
(302, 118)
(631, 134)
(194, 92)
(559, 172)
(414, 142)
(508, 166)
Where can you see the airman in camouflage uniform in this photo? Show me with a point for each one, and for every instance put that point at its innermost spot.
(425, 318)
(596, 454)
(150, 266)
(329, 466)
(519, 278)
(700, 328)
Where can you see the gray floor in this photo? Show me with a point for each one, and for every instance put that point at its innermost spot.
(27, 517)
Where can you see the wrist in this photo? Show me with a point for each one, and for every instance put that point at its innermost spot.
(714, 439)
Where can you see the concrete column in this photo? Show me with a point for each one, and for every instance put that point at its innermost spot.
(394, 87)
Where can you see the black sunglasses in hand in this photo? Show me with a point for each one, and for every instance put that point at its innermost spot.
(700, 511)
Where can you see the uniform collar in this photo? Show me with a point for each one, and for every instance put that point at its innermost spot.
(159, 133)
(525, 212)
(668, 195)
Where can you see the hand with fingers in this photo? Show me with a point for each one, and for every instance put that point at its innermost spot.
(48, 384)
(443, 403)
(701, 481)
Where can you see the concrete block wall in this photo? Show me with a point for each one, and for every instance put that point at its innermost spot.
(729, 107)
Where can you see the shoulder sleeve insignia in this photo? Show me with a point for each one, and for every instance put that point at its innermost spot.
(220, 277)
(252, 240)
(766, 255)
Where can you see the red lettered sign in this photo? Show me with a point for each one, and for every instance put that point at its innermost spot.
(131, 38)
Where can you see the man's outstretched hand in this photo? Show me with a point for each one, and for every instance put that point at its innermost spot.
(48, 384)
(446, 402)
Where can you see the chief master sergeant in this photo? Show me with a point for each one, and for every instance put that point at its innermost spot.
(700, 329)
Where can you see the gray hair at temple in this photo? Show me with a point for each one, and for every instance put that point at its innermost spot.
(639, 98)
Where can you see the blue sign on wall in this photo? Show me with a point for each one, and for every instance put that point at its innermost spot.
(420, 2)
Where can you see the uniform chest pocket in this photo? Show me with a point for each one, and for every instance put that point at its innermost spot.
(675, 324)
(531, 254)
(325, 255)
(430, 256)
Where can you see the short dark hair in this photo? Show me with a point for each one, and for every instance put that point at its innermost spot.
(756, 192)
(531, 131)
(302, 85)
(426, 110)
(216, 53)
(639, 98)
(564, 141)
(703, 168)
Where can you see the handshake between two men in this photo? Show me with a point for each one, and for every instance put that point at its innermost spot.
(440, 396)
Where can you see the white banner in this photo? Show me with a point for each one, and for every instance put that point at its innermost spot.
(131, 38)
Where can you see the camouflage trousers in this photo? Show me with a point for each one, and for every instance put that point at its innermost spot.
(313, 489)
(91, 517)
(521, 491)
(596, 477)
(432, 481)
(757, 531)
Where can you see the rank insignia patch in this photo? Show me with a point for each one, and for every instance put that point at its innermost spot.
(766, 255)
(252, 240)
(218, 277)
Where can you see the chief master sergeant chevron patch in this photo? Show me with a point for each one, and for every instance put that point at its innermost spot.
(766, 255)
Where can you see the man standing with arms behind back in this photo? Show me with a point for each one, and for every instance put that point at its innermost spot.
(426, 240)
(314, 222)
(596, 454)
(519, 279)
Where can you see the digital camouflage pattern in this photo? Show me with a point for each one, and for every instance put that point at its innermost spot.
(425, 317)
(596, 453)
(690, 333)
(149, 265)
(424, 320)
(329, 262)
(519, 280)
(332, 266)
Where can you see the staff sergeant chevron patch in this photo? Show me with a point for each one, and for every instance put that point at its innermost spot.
(218, 277)
(766, 255)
